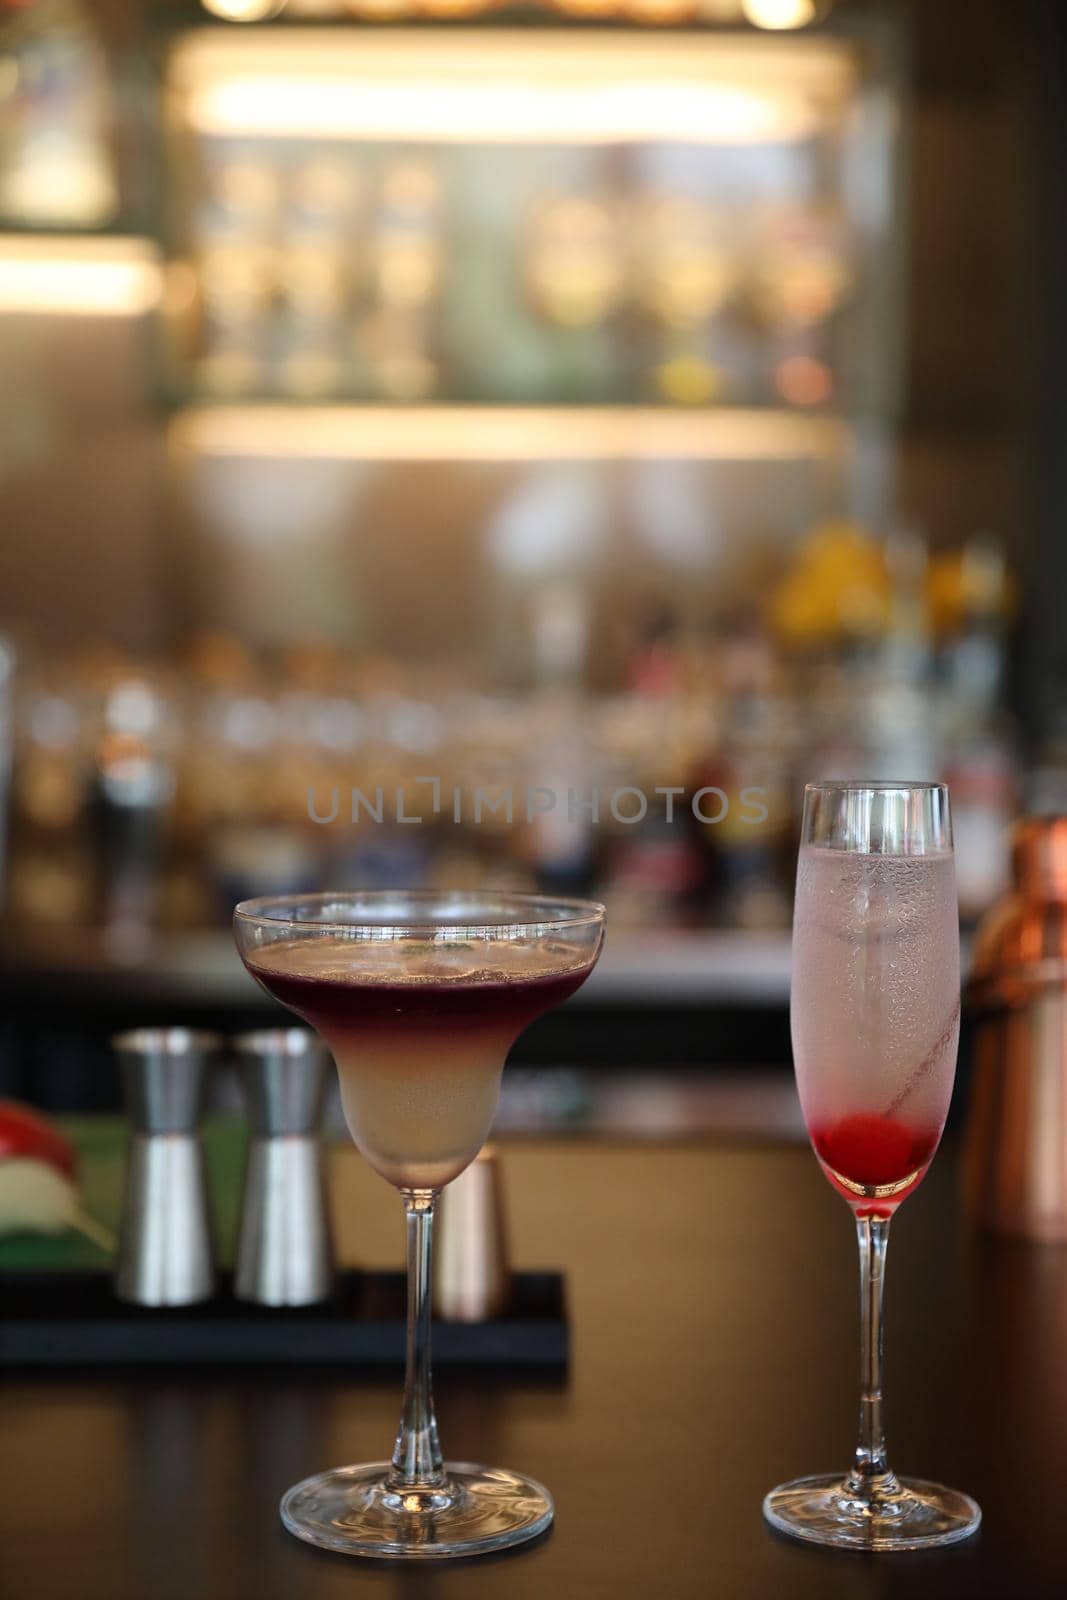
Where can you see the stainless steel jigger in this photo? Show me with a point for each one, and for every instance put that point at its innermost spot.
(284, 1250)
(165, 1245)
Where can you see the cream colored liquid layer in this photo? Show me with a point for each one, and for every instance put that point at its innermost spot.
(421, 1109)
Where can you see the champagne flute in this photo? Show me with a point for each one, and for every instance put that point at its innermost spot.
(419, 995)
(875, 1012)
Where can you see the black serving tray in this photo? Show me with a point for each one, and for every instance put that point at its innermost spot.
(72, 1319)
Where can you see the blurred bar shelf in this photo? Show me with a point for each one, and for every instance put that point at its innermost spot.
(664, 968)
(526, 215)
(668, 968)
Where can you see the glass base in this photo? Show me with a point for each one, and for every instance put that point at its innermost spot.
(912, 1515)
(356, 1511)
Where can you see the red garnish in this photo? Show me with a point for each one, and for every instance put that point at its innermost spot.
(870, 1149)
(25, 1132)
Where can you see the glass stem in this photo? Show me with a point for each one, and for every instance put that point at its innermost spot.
(417, 1456)
(870, 1473)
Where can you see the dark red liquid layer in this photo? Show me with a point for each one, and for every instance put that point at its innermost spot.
(334, 1005)
(871, 1151)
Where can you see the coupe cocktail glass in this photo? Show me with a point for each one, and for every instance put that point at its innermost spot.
(419, 995)
(875, 1016)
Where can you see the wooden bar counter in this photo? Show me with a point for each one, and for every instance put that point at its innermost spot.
(712, 1290)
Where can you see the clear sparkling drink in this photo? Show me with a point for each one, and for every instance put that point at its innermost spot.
(875, 1015)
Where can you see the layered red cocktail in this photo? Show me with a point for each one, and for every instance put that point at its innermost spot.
(420, 1029)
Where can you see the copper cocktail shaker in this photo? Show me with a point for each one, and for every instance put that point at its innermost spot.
(471, 1277)
(1015, 1169)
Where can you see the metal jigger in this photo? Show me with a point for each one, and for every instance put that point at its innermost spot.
(472, 1281)
(165, 1249)
(284, 1249)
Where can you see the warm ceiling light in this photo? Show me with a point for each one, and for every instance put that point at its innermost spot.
(780, 14)
(243, 10)
(78, 277)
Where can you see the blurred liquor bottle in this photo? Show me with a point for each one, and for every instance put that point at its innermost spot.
(748, 778)
(655, 867)
(57, 120)
(903, 717)
(52, 878)
(401, 337)
(560, 766)
(983, 763)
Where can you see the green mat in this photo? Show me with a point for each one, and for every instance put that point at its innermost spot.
(101, 1144)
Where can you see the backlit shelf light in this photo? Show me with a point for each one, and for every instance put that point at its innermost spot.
(502, 433)
(78, 277)
(508, 88)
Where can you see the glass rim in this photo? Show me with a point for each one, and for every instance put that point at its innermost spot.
(557, 911)
(875, 786)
